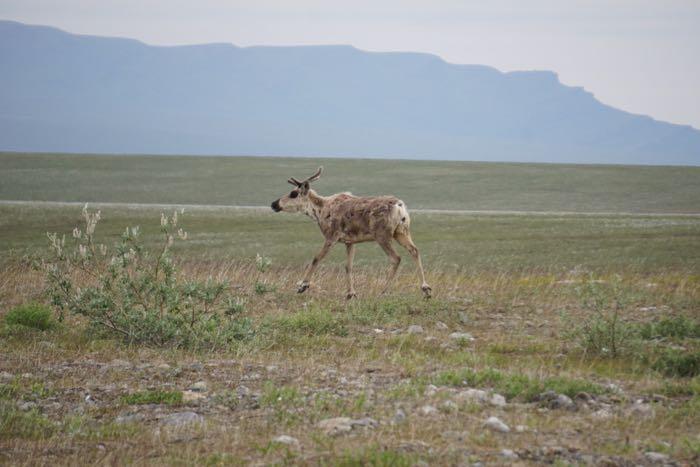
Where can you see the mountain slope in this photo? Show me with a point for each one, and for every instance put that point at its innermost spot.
(64, 92)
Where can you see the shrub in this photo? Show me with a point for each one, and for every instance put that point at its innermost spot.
(602, 332)
(31, 315)
(677, 363)
(678, 327)
(136, 294)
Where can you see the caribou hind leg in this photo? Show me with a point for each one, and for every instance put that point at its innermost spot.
(350, 248)
(404, 238)
(394, 258)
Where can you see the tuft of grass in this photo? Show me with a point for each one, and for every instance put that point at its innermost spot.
(312, 322)
(280, 396)
(375, 456)
(153, 397)
(515, 385)
(679, 327)
(27, 425)
(31, 315)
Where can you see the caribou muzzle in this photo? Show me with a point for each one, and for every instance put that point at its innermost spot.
(276, 205)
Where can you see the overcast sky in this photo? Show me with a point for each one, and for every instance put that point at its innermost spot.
(637, 55)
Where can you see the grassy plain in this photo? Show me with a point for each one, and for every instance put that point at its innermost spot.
(258, 181)
(521, 285)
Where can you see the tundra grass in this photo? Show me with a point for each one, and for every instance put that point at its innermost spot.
(421, 184)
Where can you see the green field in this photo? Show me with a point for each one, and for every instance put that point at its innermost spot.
(257, 181)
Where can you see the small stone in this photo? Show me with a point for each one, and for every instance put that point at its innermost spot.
(495, 424)
(428, 410)
(564, 402)
(163, 367)
(656, 457)
(6, 377)
(192, 396)
(461, 336)
(473, 395)
(431, 390)
(129, 418)
(498, 400)
(335, 426)
(287, 440)
(520, 428)
(509, 454)
(641, 410)
(199, 386)
(602, 414)
(364, 422)
(441, 326)
(415, 329)
(449, 406)
(27, 406)
(463, 317)
(182, 418)
(399, 416)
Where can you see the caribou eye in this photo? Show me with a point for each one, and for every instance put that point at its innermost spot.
(293, 194)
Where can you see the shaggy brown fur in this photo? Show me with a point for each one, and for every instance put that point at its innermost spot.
(348, 219)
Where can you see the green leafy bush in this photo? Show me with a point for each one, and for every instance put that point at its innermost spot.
(602, 332)
(31, 315)
(136, 294)
(677, 327)
(678, 363)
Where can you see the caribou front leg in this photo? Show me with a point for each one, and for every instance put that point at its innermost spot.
(350, 248)
(304, 285)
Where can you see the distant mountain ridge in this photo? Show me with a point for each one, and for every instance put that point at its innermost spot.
(71, 93)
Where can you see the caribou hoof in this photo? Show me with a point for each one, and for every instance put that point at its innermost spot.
(303, 287)
(427, 291)
(350, 296)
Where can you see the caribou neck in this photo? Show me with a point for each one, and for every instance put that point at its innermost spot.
(315, 205)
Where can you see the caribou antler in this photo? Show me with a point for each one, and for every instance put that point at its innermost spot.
(313, 178)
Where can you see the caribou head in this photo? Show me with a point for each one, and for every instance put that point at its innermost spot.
(297, 199)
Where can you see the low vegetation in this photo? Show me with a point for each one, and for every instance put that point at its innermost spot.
(149, 350)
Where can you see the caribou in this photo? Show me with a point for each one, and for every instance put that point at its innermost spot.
(348, 219)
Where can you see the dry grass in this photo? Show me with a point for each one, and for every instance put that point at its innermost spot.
(315, 356)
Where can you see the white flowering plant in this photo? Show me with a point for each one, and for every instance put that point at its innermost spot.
(137, 294)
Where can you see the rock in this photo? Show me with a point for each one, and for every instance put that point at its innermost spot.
(441, 326)
(461, 336)
(27, 406)
(428, 410)
(431, 390)
(463, 317)
(552, 400)
(415, 329)
(583, 397)
(520, 428)
(509, 454)
(182, 418)
(129, 418)
(287, 440)
(495, 424)
(243, 391)
(6, 377)
(473, 395)
(199, 386)
(399, 416)
(641, 410)
(196, 366)
(163, 367)
(449, 406)
(117, 363)
(340, 425)
(498, 400)
(335, 426)
(656, 457)
(602, 414)
(192, 396)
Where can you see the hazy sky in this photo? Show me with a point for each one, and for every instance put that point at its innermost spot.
(638, 55)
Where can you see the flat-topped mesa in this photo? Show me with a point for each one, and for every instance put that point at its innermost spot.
(345, 218)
